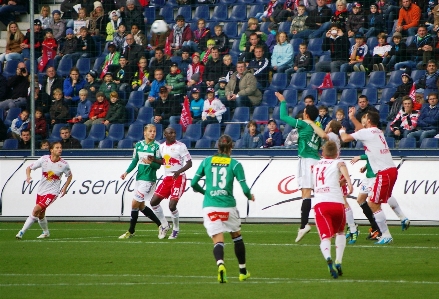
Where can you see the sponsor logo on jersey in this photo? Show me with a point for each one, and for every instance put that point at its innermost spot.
(221, 161)
(222, 216)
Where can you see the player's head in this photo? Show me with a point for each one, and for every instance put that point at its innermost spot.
(311, 112)
(170, 135)
(225, 144)
(55, 148)
(334, 126)
(373, 118)
(149, 132)
(330, 150)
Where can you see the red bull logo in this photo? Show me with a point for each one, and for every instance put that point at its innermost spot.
(169, 161)
(50, 176)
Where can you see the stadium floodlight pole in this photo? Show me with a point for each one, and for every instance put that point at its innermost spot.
(32, 77)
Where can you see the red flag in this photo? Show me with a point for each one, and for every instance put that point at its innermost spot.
(168, 47)
(185, 119)
(416, 106)
(327, 83)
(49, 52)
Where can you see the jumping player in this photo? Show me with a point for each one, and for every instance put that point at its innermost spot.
(308, 152)
(328, 205)
(219, 206)
(176, 159)
(53, 167)
(145, 179)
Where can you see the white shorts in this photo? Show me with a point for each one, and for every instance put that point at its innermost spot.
(218, 220)
(304, 173)
(366, 186)
(144, 191)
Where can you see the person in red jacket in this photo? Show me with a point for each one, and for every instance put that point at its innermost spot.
(98, 111)
(40, 125)
(48, 50)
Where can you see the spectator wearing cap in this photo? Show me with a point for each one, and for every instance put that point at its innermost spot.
(402, 90)
(114, 23)
(356, 55)
(97, 24)
(167, 110)
(220, 90)
(157, 83)
(57, 25)
(132, 51)
(176, 83)
(71, 87)
(181, 32)
(123, 76)
(111, 60)
(51, 81)
(242, 90)
(378, 59)
(397, 53)
(260, 66)
(185, 61)
(14, 38)
(338, 44)
(9, 8)
(160, 61)
(419, 51)
(272, 136)
(108, 85)
(92, 85)
(205, 56)
(69, 47)
(200, 36)
(196, 105)
(375, 22)
(131, 15)
(356, 21)
(213, 109)
(298, 24)
(408, 19)
(98, 111)
(271, 37)
(38, 39)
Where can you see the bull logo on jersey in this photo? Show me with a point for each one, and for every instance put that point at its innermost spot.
(50, 176)
(169, 161)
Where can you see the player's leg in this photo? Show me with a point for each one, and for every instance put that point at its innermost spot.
(306, 185)
(42, 221)
(405, 222)
(147, 189)
(162, 191)
(239, 246)
(353, 231)
(374, 230)
(133, 220)
(218, 253)
(339, 222)
(178, 187)
(30, 220)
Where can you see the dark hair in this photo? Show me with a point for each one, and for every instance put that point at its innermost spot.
(64, 128)
(224, 144)
(312, 112)
(323, 107)
(251, 123)
(261, 47)
(52, 144)
(363, 97)
(310, 97)
(25, 130)
(374, 117)
(159, 49)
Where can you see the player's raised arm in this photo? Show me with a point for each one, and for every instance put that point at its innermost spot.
(319, 131)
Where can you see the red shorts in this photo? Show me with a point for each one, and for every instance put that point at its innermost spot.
(170, 188)
(330, 218)
(45, 200)
(383, 186)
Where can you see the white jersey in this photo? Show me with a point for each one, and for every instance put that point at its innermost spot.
(174, 156)
(52, 172)
(376, 148)
(334, 137)
(326, 177)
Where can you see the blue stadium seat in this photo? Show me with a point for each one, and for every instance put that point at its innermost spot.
(136, 99)
(83, 64)
(377, 80)
(97, 66)
(390, 142)
(409, 40)
(328, 97)
(87, 144)
(260, 114)
(193, 132)
(244, 28)
(172, 3)
(359, 145)
(2, 115)
(264, 25)
(384, 112)
(395, 79)
(298, 81)
(106, 143)
(64, 67)
(220, 13)
(144, 116)
(417, 74)
(312, 92)
(178, 130)
(246, 2)
(12, 114)
(234, 50)
(284, 27)
(371, 94)
(149, 14)
(227, 2)
(290, 96)
(54, 134)
(407, 143)
(386, 94)
(371, 43)
(233, 130)
(338, 79)
(176, 59)
(202, 12)
(300, 106)
(348, 97)
(231, 30)
(325, 57)
(129, 115)
(276, 116)
(340, 106)
(10, 144)
(125, 143)
(429, 143)
(158, 3)
(287, 129)
(241, 114)
(212, 132)
(10, 68)
(159, 132)
(97, 132)
(295, 42)
(238, 13)
(135, 133)
(316, 79)
(356, 80)
(254, 9)
(203, 143)
(269, 99)
(167, 12)
(79, 131)
(238, 143)
(116, 132)
(186, 142)
(279, 82)
(315, 46)
(186, 12)
(27, 64)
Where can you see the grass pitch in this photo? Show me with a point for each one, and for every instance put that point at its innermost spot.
(87, 260)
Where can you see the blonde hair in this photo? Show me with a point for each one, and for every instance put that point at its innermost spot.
(149, 126)
(228, 56)
(252, 21)
(57, 91)
(43, 7)
(330, 149)
(83, 91)
(18, 37)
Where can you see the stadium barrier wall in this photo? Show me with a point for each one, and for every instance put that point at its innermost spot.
(97, 189)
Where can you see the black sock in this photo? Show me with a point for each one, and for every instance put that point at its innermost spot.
(218, 251)
(304, 216)
(133, 220)
(240, 253)
(150, 214)
(369, 215)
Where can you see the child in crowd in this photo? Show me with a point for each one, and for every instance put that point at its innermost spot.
(197, 104)
(252, 138)
(108, 85)
(123, 76)
(206, 54)
(59, 113)
(221, 40)
(19, 124)
(395, 102)
(98, 111)
(139, 37)
(302, 61)
(298, 24)
(340, 116)
(229, 67)
(196, 67)
(69, 46)
(397, 54)
(175, 83)
(82, 21)
(155, 87)
(377, 60)
(140, 79)
(119, 37)
(86, 46)
(357, 53)
(200, 37)
(48, 50)
(114, 23)
(83, 109)
(58, 26)
(116, 111)
(220, 90)
(272, 6)
(375, 22)
(40, 125)
(111, 60)
(213, 110)
(272, 136)
(45, 17)
(323, 117)
(44, 145)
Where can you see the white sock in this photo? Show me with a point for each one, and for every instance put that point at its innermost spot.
(160, 215)
(325, 247)
(29, 221)
(43, 225)
(340, 245)
(380, 218)
(395, 207)
(175, 220)
(350, 219)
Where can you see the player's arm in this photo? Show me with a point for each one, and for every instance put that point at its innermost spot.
(198, 175)
(344, 171)
(358, 126)
(155, 160)
(28, 177)
(66, 185)
(319, 131)
(133, 165)
(238, 171)
(283, 111)
(183, 169)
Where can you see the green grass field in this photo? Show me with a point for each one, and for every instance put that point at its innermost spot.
(87, 260)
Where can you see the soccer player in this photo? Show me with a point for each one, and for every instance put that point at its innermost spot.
(328, 205)
(176, 159)
(381, 161)
(145, 179)
(53, 167)
(219, 206)
(308, 147)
